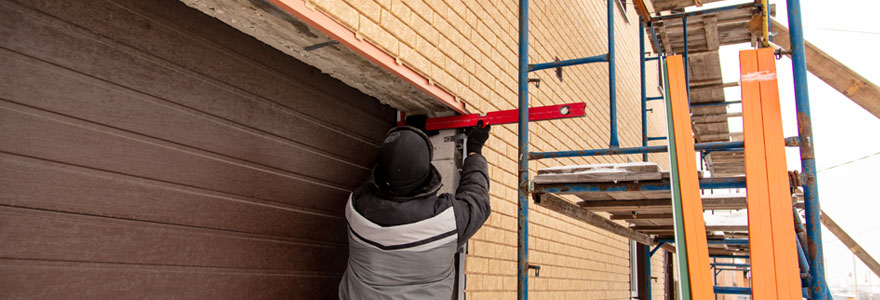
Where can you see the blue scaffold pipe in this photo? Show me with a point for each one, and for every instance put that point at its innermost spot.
(733, 290)
(655, 98)
(612, 79)
(656, 248)
(652, 58)
(731, 265)
(802, 258)
(570, 62)
(818, 287)
(522, 256)
(657, 138)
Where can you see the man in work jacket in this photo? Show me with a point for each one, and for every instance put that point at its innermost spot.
(402, 235)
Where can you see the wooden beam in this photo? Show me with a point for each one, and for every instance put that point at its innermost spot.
(664, 40)
(714, 86)
(850, 243)
(705, 82)
(652, 227)
(737, 202)
(710, 28)
(643, 11)
(641, 216)
(846, 81)
(737, 136)
(708, 228)
(559, 205)
(712, 118)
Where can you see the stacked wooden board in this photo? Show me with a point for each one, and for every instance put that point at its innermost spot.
(775, 273)
(694, 269)
(634, 171)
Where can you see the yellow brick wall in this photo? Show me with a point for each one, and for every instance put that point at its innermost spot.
(658, 275)
(470, 49)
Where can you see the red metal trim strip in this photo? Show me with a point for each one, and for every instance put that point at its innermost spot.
(560, 111)
(345, 36)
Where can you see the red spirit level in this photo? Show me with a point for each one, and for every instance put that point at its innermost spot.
(561, 111)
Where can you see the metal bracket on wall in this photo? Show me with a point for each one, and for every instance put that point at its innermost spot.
(536, 81)
(537, 269)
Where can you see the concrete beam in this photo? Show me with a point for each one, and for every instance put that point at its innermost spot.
(291, 27)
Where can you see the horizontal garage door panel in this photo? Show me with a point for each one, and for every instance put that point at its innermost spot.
(60, 280)
(49, 87)
(25, 233)
(67, 140)
(166, 41)
(103, 59)
(100, 193)
(151, 151)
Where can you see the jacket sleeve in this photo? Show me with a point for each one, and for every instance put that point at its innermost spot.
(471, 203)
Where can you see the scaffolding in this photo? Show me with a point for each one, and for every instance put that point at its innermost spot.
(809, 244)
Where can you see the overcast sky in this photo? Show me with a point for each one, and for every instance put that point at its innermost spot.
(842, 130)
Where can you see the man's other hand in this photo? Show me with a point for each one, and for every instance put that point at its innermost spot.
(477, 138)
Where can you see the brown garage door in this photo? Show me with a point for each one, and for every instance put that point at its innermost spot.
(150, 151)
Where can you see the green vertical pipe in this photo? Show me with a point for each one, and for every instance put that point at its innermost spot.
(675, 188)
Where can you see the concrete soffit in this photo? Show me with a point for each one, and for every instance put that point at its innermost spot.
(304, 33)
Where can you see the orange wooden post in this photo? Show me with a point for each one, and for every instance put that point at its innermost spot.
(784, 248)
(775, 272)
(692, 205)
(760, 239)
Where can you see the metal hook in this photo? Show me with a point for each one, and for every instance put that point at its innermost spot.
(536, 81)
(537, 269)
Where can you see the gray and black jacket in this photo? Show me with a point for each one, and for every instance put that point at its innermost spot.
(403, 247)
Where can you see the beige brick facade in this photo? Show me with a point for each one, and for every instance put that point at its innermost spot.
(469, 48)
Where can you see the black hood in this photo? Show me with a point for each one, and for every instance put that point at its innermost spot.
(403, 167)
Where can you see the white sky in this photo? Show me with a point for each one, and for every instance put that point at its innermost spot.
(842, 130)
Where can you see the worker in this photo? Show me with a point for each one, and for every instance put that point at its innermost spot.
(402, 235)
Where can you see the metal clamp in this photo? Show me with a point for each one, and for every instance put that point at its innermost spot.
(536, 81)
(780, 52)
(537, 269)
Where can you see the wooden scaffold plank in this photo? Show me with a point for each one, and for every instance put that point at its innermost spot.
(688, 189)
(784, 244)
(559, 205)
(771, 225)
